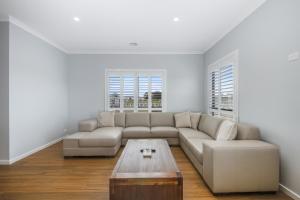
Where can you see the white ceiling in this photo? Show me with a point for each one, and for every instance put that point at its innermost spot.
(107, 26)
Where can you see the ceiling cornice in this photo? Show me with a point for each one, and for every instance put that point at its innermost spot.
(36, 33)
(30, 30)
(145, 52)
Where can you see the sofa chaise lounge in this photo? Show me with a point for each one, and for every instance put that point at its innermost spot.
(245, 164)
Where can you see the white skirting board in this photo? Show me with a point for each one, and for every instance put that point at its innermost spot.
(13, 160)
(289, 192)
(4, 162)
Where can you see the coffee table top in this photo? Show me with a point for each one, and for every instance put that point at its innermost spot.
(132, 164)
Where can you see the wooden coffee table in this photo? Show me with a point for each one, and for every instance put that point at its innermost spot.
(138, 178)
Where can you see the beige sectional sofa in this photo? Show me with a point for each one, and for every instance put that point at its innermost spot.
(245, 164)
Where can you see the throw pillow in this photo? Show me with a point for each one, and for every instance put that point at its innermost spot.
(227, 130)
(106, 119)
(195, 118)
(183, 120)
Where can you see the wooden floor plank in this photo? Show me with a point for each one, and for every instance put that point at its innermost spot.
(47, 175)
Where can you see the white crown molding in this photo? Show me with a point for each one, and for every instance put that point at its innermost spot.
(142, 52)
(289, 192)
(233, 25)
(33, 32)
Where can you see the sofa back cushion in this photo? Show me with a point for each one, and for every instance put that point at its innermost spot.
(162, 119)
(247, 132)
(120, 119)
(209, 125)
(137, 119)
(195, 118)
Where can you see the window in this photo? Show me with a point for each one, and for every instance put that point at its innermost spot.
(135, 90)
(222, 87)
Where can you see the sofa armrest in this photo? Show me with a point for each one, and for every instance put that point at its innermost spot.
(88, 125)
(240, 166)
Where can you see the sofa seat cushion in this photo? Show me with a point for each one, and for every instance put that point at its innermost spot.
(196, 147)
(185, 133)
(72, 141)
(164, 132)
(101, 137)
(137, 132)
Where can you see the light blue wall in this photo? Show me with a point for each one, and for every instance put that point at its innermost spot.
(269, 84)
(4, 91)
(87, 84)
(38, 92)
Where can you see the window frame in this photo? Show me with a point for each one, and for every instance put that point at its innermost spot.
(230, 59)
(136, 73)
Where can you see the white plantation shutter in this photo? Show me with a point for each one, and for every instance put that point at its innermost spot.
(227, 92)
(143, 88)
(128, 92)
(137, 91)
(114, 91)
(156, 93)
(222, 87)
(214, 92)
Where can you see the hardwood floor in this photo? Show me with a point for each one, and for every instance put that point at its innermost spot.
(46, 175)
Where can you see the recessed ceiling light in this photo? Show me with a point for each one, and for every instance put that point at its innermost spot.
(134, 44)
(175, 19)
(76, 19)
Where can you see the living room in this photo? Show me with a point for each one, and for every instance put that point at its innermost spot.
(145, 99)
